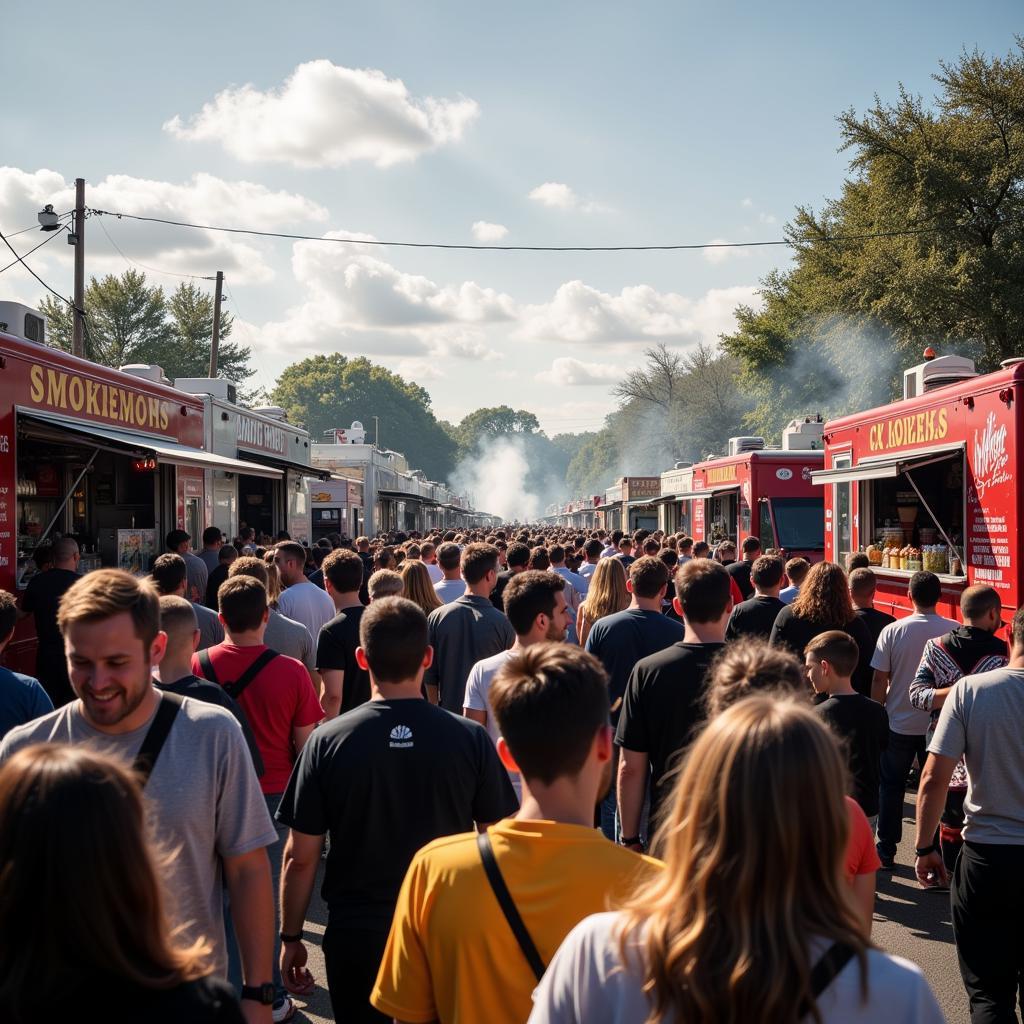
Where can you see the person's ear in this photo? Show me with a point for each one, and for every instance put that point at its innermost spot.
(196, 635)
(158, 648)
(629, 585)
(428, 657)
(361, 659)
(678, 606)
(505, 756)
(603, 744)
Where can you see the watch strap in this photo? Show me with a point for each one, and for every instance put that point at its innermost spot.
(297, 937)
(263, 994)
(923, 851)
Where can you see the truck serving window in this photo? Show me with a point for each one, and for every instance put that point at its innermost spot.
(800, 523)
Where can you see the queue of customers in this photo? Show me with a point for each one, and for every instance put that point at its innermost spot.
(536, 763)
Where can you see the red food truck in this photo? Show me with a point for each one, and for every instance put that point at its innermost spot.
(930, 482)
(111, 458)
(759, 491)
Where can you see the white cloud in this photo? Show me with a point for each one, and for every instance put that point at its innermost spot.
(717, 256)
(555, 193)
(203, 199)
(483, 231)
(767, 218)
(326, 115)
(582, 314)
(568, 372)
(747, 203)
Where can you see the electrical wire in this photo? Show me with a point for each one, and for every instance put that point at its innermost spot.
(143, 266)
(516, 248)
(35, 227)
(20, 259)
(49, 238)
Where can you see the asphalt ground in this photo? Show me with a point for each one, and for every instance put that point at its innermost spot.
(909, 922)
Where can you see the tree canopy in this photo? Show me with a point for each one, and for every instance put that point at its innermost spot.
(939, 187)
(328, 391)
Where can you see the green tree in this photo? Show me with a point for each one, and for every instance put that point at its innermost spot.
(329, 391)
(941, 185)
(125, 318)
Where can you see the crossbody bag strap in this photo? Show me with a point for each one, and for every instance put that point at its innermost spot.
(234, 690)
(508, 906)
(206, 664)
(156, 735)
(827, 969)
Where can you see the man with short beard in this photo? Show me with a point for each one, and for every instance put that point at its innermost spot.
(551, 706)
(535, 605)
(201, 790)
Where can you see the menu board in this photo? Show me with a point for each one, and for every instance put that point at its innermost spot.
(135, 550)
(990, 505)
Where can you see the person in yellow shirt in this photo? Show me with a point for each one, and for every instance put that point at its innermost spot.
(469, 942)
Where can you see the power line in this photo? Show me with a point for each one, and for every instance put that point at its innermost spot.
(35, 227)
(518, 248)
(53, 292)
(49, 238)
(143, 266)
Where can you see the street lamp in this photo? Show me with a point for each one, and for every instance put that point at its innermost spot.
(48, 220)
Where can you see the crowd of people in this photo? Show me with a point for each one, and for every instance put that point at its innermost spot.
(541, 775)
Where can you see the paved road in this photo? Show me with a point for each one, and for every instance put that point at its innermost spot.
(908, 922)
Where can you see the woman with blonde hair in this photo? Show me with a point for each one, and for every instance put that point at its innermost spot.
(418, 586)
(824, 604)
(606, 595)
(751, 919)
(82, 920)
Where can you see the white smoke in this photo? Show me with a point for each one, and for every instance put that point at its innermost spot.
(494, 478)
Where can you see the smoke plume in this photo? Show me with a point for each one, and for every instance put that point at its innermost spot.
(495, 479)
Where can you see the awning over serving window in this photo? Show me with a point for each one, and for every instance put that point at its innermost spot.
(883, 469)
(275, 461)
(705, 492)
(140, 445)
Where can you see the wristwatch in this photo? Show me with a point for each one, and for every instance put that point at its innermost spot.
(631, 841)
(923, 851)
(297, 937)
(264, 994)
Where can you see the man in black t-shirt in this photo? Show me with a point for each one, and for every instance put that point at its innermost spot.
(384, 780)
(757, 615)
(346, 685)
(740, 571)
(517, 558)
(41, 600)
(664, 702)
(861, 724)
(862, 593)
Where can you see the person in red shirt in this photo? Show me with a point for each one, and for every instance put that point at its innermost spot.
(273, 690)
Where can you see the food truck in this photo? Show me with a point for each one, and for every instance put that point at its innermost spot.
(930, 482)
(630, 504)
(258, 437)
(112, 458)
(755, 491)
(337, 507)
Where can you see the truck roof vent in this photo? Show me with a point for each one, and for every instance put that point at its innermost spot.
(738, 445)
(938, 372)
(23, 322)
(147, 371)
(803, 435)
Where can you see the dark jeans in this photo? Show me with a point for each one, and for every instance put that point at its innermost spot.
(352, 957)
(987, 897)
(897, 759)
(275, 853)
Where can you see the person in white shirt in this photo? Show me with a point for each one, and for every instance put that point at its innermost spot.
(301, 600)
(578, 587)
(428, 554)
(704, 939)
(897, 657)
(592, 549)
(535, 605)
(453, 586)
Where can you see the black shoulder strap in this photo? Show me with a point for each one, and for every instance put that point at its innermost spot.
(206, 664)
(235, 689)
(825, 971)
(508, 906)
(156, 735)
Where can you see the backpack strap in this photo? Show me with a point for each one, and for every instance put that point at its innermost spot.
(156, 735)
(206, 664)
(827, 969)
(234, 690)
(508, 906)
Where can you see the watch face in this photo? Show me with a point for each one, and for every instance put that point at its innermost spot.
(267, 993)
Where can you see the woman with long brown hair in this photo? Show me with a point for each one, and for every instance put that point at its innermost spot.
(606, 595)
(82, 918)
(418, 586)
(751, 919)
(823, 604)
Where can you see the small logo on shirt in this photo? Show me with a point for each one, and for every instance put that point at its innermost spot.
(401, 736)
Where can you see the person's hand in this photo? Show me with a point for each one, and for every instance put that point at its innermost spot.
(295, 976)
(931, 872)
(256, 1013)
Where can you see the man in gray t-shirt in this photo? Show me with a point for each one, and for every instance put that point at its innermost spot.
(203, 793)
(897, 656)
(982, 721)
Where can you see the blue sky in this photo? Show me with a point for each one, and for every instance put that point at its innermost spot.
(650, 123)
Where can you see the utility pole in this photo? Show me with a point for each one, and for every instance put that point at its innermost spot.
(78, 318)
(215, 341)
(376, 433)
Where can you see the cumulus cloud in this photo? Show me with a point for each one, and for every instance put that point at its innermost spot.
(716, 256)
(747, 203)
(555, 193)
(483, 231)
(203, 198)
(581, 314)
(326, 115)
(568, 372)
